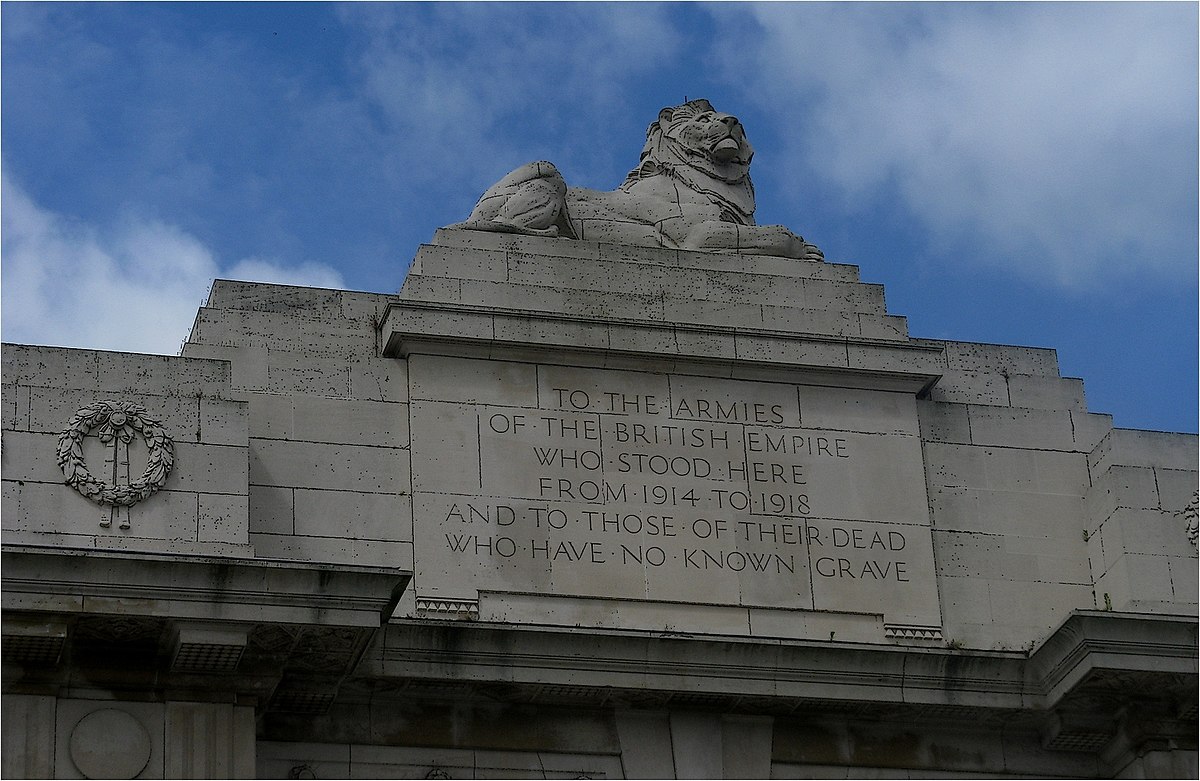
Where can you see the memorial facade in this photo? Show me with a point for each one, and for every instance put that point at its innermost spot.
(618, 485)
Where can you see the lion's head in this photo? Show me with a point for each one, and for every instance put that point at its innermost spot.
(705, 148)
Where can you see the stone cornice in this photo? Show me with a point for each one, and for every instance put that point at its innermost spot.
(67, 581)
(729, 669)
(492, 333)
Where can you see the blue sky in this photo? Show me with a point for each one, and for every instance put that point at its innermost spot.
(1012, 173)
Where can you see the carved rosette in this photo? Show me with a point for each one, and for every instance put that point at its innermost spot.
(116, 423)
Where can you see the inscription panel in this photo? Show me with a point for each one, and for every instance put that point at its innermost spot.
(672, 488)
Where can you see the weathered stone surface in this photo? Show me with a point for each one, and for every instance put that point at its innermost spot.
(691, 190)
(665, 513)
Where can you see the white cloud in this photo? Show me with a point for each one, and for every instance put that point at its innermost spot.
(134, 286)
(1058, 139)
(463, 87)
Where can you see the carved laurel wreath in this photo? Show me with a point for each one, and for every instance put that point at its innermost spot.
(115, 420)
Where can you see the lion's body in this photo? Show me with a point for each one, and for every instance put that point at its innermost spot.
(691, 190)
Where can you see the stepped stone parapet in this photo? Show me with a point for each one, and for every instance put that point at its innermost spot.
(626, 498)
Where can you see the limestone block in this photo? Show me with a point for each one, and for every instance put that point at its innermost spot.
(645, 744)
(1048, 517)
(823, 625)
(709, 344)
(209, 740)
(242, 328)
(1185, 579)
(948, 465)
(49, 367)
(373, 423)
(354, 515)
(270, 416)
(30, 456)
(222, 422)
(888, 358)
(15, 414)
(1057, 560)
(1151, 448)
(248, 365)
(580, 303)
(1152, 532)
(157, 375)
(1001, 359)
(57, 509)
(367, 307)
(29, 734)
(844, 409)
(696, 744)
(942, 422)
(335, 338)
(445, 457)
(234, 294)
(892, 327)
(966, 601)
(640, 255)
(272, 510)
(840, 296)
(10, 510)
(1090, 429)
(302, 373)
(786, 267)
(215, 469)
(512, 242)
(971, 388)
(437, 378)
(379, 379)
(752, 288)
(822, 322)
(704, 312)
(315, 419)
(469, 325)
(1095, 549)
(1039, 471)
(1175, 488)
(613, 614)
(970, 554)
(780, 350)
(418, 287)
(641, 339)
(525, 330)
(789, 267)
(1027, 428)
(1137, 582)
(337, 467)
(223, 519)
(591, 275)
(1133, 487)
(374, 553)
(461, 263)
(1049, 393)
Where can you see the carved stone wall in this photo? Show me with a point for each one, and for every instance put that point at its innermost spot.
(573, 509)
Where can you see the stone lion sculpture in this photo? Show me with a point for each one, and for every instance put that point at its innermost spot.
(690, 190)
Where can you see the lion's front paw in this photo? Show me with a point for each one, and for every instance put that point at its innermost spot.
(812, 252)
